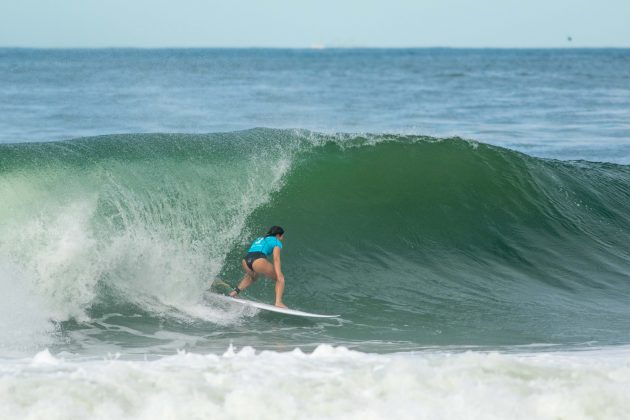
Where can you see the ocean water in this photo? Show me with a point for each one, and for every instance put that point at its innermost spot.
(466, 212)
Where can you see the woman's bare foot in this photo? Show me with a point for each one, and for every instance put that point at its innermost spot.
(281, 305)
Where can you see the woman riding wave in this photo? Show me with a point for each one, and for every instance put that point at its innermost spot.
(255, 263)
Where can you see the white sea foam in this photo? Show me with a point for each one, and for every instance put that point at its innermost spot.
(24, 317)
(327, 383)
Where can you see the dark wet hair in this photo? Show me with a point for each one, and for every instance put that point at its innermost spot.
(275, 230)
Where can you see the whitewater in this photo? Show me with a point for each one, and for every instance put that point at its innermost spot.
(476, 252)
(326, 383)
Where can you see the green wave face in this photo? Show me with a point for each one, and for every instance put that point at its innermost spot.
(455, 242)
(411, 239)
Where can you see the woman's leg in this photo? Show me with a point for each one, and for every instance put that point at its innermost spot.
(264, 267)
(248, 279)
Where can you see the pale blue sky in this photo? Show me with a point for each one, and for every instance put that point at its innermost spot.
(304, 23)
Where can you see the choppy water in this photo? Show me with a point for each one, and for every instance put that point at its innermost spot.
(569, 104)
(466, 272)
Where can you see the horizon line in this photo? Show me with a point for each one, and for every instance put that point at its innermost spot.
(315, 47)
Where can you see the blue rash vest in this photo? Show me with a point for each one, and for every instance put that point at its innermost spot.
(265, 244)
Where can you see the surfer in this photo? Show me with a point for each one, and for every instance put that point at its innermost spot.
(256, 263)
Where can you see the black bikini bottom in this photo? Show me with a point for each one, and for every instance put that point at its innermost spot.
(251, 257)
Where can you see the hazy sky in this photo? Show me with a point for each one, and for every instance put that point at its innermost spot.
(304, 23)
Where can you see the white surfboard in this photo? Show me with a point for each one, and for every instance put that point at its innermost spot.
(272, 308)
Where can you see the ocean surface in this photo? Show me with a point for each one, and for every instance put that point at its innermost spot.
(465, 212)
